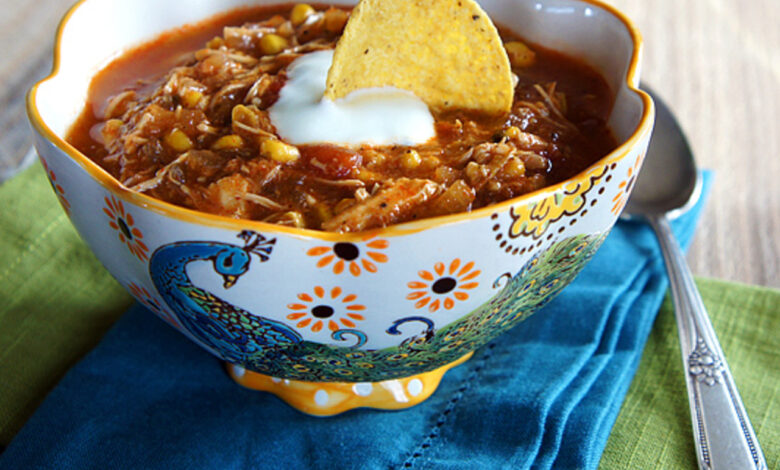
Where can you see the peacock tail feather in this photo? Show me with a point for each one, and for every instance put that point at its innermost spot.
(538, 281)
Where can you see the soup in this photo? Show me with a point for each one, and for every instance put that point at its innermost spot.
(187, 118)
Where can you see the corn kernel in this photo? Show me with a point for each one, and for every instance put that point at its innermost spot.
(512, 132)
(374, 159)
(494, 186)
(178, 141)
(272, 44)
(367, 176)
(228, 142)
(335, 19)
(279, 151)
(410, 160)
(300, 12)
(430, 163)
(519, 54)
(191, 98)
(215, 43)
(514, 168)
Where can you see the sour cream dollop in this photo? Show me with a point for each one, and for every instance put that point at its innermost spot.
(376, 116)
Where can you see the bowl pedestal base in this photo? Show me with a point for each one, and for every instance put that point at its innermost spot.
(332, 398)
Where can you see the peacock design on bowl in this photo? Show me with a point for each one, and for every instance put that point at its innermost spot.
(274, 348)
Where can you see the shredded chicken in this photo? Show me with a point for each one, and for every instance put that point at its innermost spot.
(393, 203)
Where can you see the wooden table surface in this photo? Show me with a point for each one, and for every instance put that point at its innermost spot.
(716, 62)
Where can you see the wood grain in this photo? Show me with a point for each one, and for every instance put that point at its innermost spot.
(27, 30)
(716, 62)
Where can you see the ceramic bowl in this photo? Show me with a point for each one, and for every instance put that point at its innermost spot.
(319, 318)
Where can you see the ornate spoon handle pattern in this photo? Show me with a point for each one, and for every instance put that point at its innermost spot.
(721, 428)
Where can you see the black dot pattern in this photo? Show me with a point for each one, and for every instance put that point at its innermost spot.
(124, 228)
(322, 311)
(444, 285)
(346, 251)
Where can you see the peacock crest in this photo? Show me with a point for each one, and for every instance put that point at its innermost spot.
(257, 244)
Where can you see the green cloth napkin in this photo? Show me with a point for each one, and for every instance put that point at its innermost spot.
(56, 300)
(45, 330)
(653, 429)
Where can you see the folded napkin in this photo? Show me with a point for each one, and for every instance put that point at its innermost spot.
(544, 395)
(653, 429)
(56, 300)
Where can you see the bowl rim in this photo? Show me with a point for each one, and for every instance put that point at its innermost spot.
(187, 215)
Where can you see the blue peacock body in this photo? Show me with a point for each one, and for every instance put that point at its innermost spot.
(230, 332)
(273, 348)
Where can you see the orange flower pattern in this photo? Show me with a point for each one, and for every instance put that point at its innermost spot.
(57, 188)
(625, 186)
(326, 308)
(148, 301)
(444, 286)
(124, 224)
(351, 257)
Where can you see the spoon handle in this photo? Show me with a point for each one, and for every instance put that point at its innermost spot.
(721, 428)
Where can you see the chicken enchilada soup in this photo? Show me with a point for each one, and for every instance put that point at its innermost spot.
(227, 117)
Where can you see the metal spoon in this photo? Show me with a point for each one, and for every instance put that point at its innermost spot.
(668, 185)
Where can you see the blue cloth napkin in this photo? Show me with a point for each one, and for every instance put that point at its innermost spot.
(544, 395)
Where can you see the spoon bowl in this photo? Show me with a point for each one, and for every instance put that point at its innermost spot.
(667, 186)
(667, 183)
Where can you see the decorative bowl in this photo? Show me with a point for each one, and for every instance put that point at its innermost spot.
(331, 321)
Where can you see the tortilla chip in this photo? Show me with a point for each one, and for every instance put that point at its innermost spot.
(447, 52)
